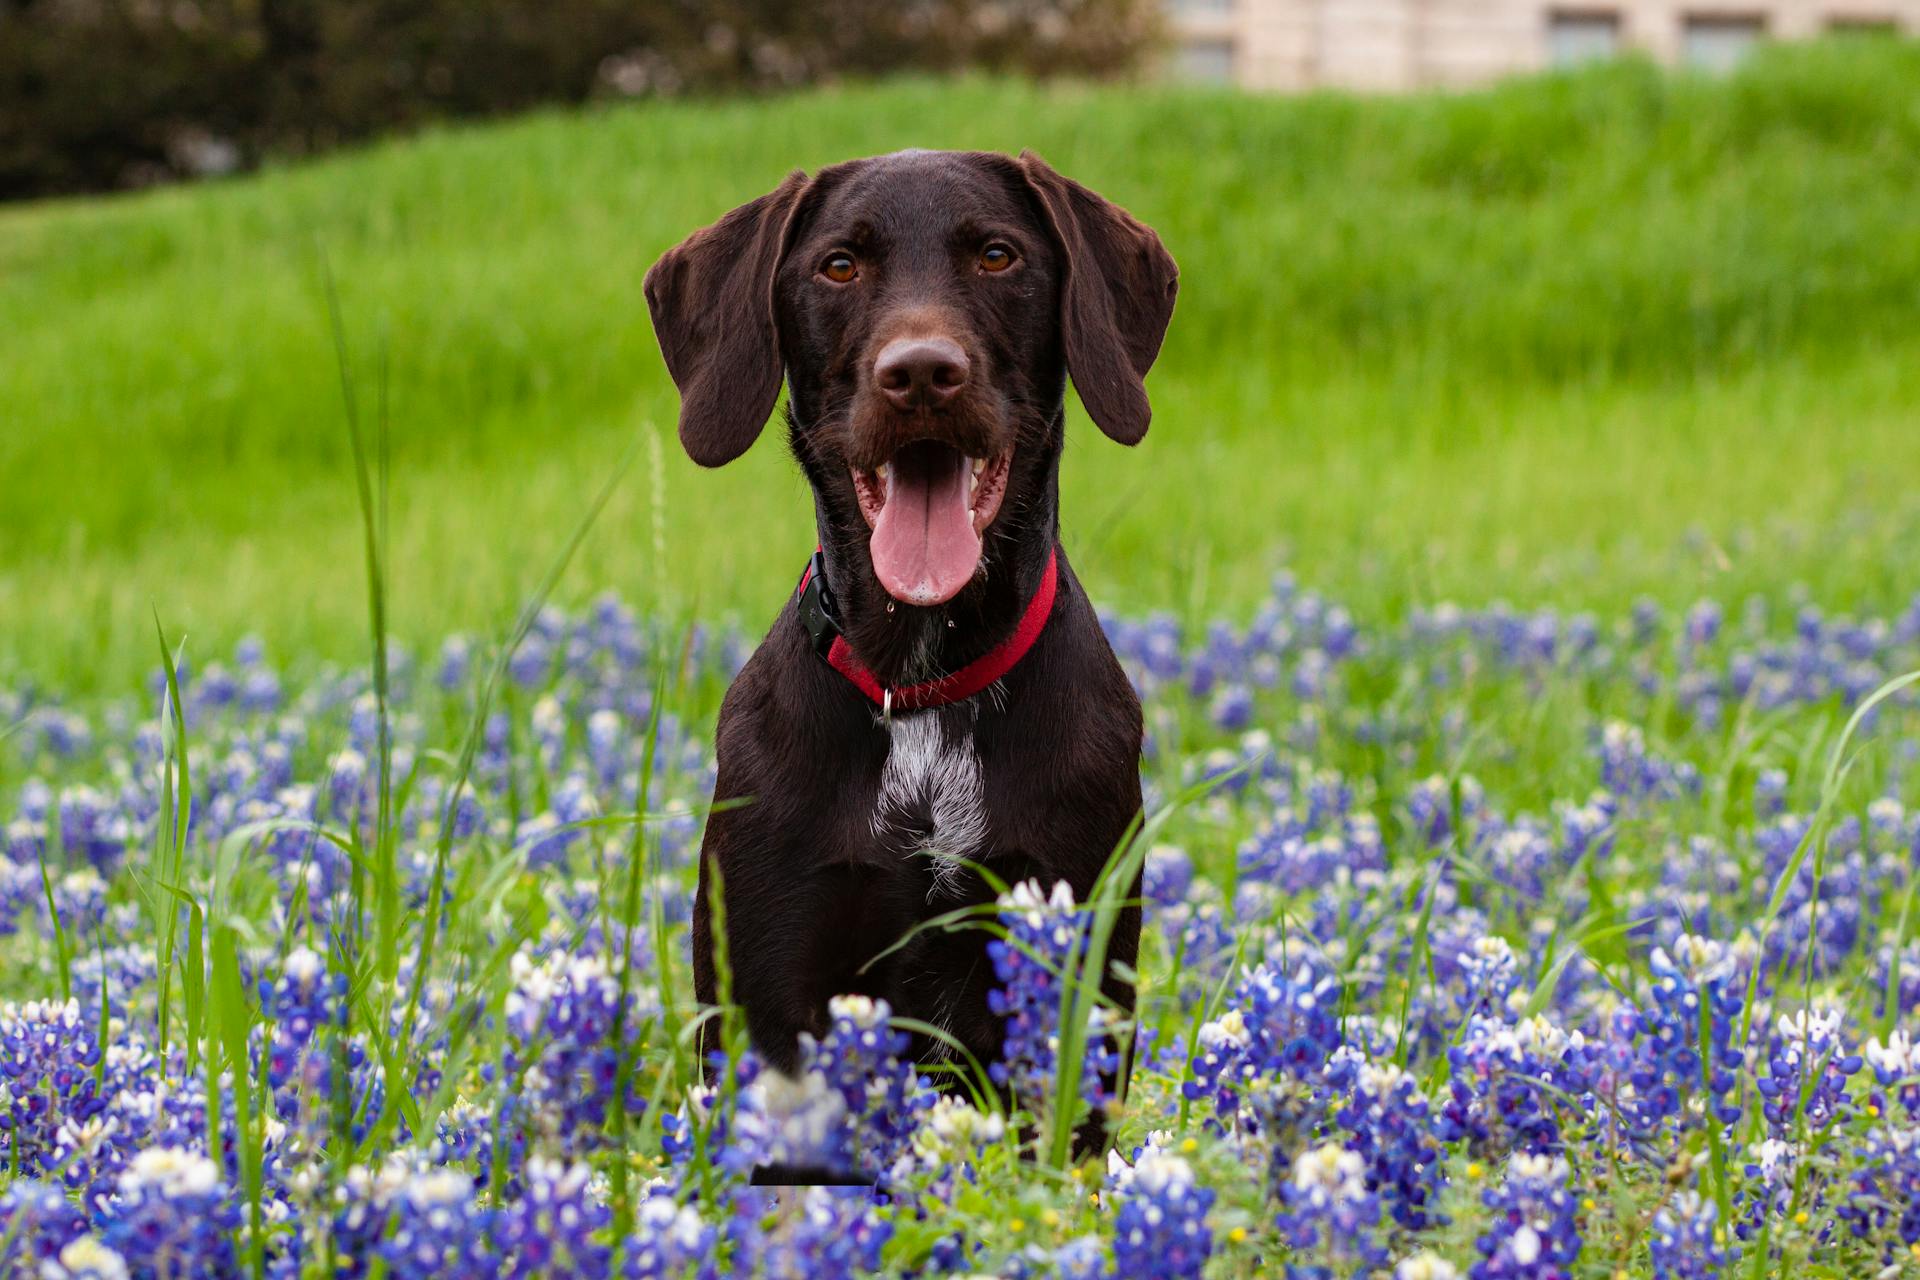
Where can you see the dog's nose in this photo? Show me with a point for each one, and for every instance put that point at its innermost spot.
(912, 372)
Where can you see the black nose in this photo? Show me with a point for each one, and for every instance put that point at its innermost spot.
(912, 372)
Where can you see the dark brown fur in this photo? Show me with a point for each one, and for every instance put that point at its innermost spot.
(811, 892)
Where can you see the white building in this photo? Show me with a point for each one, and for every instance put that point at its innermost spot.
(1406, 44)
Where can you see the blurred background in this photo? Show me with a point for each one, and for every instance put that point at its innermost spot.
(1480, 298)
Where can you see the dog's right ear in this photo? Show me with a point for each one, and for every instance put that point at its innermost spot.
(711, 297)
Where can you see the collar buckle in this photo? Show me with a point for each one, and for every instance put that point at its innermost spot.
(817, 607)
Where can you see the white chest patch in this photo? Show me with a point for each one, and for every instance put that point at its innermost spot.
(932, 798)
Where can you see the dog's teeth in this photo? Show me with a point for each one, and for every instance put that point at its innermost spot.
(979, 465)
(881, 474)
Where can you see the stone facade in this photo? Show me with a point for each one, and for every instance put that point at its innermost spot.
(1406, 44)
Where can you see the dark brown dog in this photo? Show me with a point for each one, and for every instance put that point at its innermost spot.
(926, 309)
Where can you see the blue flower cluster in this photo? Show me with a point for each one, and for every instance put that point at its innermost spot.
(1532, 1232)
(1160, 1229)
(1419, 995)
(1045, 942)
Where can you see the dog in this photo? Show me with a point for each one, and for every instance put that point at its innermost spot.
(938, 694)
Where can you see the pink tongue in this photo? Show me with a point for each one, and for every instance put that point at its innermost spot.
(924, 547)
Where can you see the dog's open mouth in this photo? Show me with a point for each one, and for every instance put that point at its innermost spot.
(927, 509)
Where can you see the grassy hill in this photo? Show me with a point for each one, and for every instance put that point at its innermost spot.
(1570, 339)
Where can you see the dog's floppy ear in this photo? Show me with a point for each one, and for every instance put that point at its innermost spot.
(711, 297)
(1116, 301)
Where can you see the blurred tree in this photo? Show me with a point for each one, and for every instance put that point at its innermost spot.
(107, 93)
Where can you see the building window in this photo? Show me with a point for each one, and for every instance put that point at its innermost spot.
(1204, 59)
(1582, 35)
(1718, 41)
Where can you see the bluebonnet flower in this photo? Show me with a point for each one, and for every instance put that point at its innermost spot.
(1166, 875)
(37, 1221)
(1389, 1122)
(548, 721)
(1160, 1229)
(1205, 944)
(563, 1055)
(1896, 1069)
(836, 1233)
(1900, 971)
(1329, 1218)
(1045, 938)
(81, 899)
(358, 1212)
(553, 1227)
(1669, 1087)
(1489, 976)
(302, 1001)
(1632, 771)
(93, 827)
(438, 1229)
(1531, 1233)
(549, 837)
(1807, 1072)
(1283, 853)
(1425, 1266)
(64, 733)
(348, 787)
(1232, 706)
(1430, 806)
(48, 1056)
(86, 1258)
(1273, 1026)
(172, 1216)
(20, 890)
(1881, 1201)
(607, 746)
(862, 1060)
(951, 1134)
(1767, 1189)
(1508, 1082)
(1082, 1258)
(1519, 856)
(1686, 1243)
(668, 1238)
(1703, 622)
(532, 663)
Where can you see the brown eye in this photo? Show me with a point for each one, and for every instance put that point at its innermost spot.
(996, 257)
(839, 268)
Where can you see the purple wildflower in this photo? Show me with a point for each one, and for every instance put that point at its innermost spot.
(1160, 1230)
(1531, 1233)
(1329, 1218)
(1686, 1243)
(1045, 939)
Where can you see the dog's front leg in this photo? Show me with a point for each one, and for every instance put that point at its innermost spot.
(776, 938)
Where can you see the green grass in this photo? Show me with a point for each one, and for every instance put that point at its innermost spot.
(1575, 338)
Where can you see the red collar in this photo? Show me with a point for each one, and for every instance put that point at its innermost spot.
(816, 613)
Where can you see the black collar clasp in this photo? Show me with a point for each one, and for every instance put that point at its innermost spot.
(817, 608)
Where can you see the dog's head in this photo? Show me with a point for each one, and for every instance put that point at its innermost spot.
(925, 309)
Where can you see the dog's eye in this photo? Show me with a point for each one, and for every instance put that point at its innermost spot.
(839, 268)
(996, 257)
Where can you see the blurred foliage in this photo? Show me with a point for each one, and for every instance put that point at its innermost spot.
(105, 93)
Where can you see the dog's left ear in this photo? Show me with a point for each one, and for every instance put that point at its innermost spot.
(1116, 301)
(711, 297)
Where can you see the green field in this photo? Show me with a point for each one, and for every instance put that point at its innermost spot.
(1509, 937)
(1571, 339)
